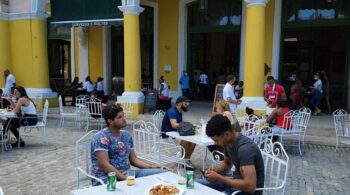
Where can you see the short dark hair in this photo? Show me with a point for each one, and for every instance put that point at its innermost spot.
(218, 125)
(270, 78)
(249, 111)
(230, 77)
(1, 91)
(110, 112)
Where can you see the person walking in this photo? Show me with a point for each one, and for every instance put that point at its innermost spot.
(203, 85)
(185, 84)
(316, 94)
(229, 95)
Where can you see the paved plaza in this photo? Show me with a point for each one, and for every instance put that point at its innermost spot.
(50, 169)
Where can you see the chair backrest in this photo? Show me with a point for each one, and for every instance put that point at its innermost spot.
(127, 108)
(45, 111)
(158, 118)
(262, 136)
(60, 104)
(340, 123)
(83, 154)
(288, 120)
(1, 192)
(276, 163)
(304, 117)
(94, 108)
(80, 100)
(146, 138)
(250, 125)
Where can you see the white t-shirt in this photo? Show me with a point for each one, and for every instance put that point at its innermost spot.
(228, 92)
(88, 86)
(318, 85)
(165, 91)
(10, 81)
(203, 79)
(99, 86)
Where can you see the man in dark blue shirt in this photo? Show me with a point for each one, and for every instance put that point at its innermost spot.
(171, 122)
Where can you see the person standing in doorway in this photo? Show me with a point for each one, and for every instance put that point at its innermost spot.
(273, 92)
(203, 85)
(229, 95)
(10, 81)
(316, 94)
(185, 84)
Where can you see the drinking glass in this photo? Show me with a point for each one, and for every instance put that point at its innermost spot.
(130, 179)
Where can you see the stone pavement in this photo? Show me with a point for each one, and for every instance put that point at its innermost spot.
(50, 169)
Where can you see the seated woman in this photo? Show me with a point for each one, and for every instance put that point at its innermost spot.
(223, 108)
(278, 116)
(25, 108)
(88, 85)
(163, 90)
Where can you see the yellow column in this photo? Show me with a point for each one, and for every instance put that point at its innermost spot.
(29, 55)
(132, 58)
(5, 61)
(254, 55)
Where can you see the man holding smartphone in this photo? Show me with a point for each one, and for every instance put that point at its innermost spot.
(239, 151)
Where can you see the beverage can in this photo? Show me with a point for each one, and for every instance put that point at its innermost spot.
(112, 181)
(190, 180)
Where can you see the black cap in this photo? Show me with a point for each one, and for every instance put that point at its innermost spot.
(182, 99)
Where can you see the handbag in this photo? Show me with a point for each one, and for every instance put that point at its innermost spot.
(186, 129)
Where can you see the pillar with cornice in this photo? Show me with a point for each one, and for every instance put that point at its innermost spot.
(28, 49)
(5, 61)
(132, 57)
(254, 55)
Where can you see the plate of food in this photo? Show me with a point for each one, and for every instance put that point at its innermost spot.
(164, 189)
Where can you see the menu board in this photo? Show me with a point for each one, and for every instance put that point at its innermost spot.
(218, 94)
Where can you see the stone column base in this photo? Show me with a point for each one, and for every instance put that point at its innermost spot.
(39, 95)
(136, 99)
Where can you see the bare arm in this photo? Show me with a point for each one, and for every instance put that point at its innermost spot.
(105, 166)
(272, 116)
(174, 123)
(248, 181)
(17, 107)
(224, 166)
(230, 100)
(137, 162)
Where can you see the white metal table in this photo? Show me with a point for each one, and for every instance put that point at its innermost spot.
(143, 184)
(9, 115)
(201, 140)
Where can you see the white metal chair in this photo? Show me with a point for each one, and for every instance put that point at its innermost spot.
(293, 126)
(158, 118)
(1, 192)
(81, 108)
(94, 110)
(83, 158)
(250, 125)
(5, 137)
(276, 164)
(64, 114)
(148, 145)
(40, 125)
(127, 108)
(342, 127)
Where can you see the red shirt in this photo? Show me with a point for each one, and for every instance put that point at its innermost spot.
(274, 93)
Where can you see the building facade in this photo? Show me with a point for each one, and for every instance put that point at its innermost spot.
(150, 38)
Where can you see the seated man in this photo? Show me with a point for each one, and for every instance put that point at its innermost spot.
(239, 151)
(171, 122)
(112, 150)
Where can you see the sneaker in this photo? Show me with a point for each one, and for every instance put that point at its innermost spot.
(189, 165)
(21, 144)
